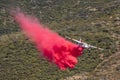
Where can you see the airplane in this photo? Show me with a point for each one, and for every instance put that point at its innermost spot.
(83, 44)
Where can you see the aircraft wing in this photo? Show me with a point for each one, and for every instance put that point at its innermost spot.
(83, 44)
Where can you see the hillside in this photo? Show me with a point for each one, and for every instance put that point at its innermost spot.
(108, 69)
(96, 21)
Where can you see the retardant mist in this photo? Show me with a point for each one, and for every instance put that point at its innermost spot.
(53, 47)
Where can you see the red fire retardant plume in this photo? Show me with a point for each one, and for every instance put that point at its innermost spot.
(54, 48)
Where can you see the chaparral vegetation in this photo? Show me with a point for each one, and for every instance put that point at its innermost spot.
(97, 22)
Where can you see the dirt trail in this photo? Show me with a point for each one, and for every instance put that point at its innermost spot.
(108, 69)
